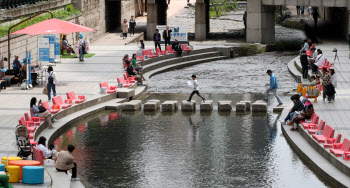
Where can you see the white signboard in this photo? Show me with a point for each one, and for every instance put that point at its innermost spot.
(57, 47)
(52, 47)
(178, 32)
(44, 51)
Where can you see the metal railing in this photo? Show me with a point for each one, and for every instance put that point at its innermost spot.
(10, 4)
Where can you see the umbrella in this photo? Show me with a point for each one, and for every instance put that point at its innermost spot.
(52, 26)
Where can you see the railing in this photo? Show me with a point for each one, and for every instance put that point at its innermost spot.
(9, 4)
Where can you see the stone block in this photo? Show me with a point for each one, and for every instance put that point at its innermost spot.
(188, 106)
(207, 105)
(132, 105)
(155, 101)
(278, 109)
(169, 106)
(225, 105)
(150, 106)
(247, 104)
(259, 107)
(125, 93)
(240, 107)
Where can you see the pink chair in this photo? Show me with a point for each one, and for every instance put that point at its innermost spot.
(130, 79)
(314, 121)
(46, 105)
(32, 115)
(161, 52)
(35, 120)
(57, 101)
(326, 134)
(320, 127)
(71, 96)
(169, 48)
(124, 82)
(38, 155)
(29, 124)
(185, 48)
(111, 89)
(339, 149)
(331, 141)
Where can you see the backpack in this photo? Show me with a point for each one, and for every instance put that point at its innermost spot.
(50, 78)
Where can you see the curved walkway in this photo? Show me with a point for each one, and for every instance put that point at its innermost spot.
(336, 114)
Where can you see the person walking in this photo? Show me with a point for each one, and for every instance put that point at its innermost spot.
(305, 64)
(132, 25)
(325, 81)
(195, 89)
(273, 87)
(65, 162)
(309, 11)
(302, 10)
(298, 10)
(125, 28)
(81, 47)
(333, 80)
(315, 14)
(156, 39)
(167, 35)
(51, 82)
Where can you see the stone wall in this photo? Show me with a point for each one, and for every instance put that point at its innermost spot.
(128, 9)
(94, 17)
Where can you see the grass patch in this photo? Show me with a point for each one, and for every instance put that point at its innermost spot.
(68, 11)
(66, 56)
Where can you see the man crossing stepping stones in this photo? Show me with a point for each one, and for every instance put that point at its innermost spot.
(273, 87)
(195, 88)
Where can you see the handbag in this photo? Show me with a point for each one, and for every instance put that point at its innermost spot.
(41, 109)
(45, 90)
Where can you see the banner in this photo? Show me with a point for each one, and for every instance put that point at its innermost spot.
(52, 47)
(178, 32)
(57, 47)
(44, 51)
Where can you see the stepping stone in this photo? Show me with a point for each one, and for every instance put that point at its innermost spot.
(188, 106)
(207, 105)
(278, 109)
(169, 106)
(240, 107)
(247, 104)
(151, 105)
(225, 105)
(132, 105)
(125, 93)
(259, 106)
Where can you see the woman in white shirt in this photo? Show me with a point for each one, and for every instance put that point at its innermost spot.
(42, 147)
(333, 80)
(51, 79)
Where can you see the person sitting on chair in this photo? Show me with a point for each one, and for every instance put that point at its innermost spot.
(177, 47)
(16, 66)
(66, 46)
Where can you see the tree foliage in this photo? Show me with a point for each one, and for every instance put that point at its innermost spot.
(221, 6)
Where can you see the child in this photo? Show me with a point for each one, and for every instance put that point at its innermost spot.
(195, 89)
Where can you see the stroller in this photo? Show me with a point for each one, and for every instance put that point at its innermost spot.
(22, 138)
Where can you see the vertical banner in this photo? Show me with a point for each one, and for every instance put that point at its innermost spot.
(57, 47)
(44, 51)
(178, 32)
(52, 47)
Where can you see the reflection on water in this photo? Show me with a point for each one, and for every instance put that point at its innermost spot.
(139, 149)
(237, 75)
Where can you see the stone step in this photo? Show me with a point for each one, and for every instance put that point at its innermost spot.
(259, 106)
(206, 106)
(133, 105)
(188, 106)
(182, 65)
(125, 93)
(225, 105)
(241, 107)
(278, 109)
(151, 105)
(169, 106)
(171, 61)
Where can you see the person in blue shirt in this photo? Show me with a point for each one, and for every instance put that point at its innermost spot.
(273, 87)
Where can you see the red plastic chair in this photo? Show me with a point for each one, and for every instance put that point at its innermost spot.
(308, 53)
(32, 142)
(326, 134)
(339, 149)
(185, 48)
(131, 80)
(71, 96)
(29, 124)
(326, 63)
(57, 101)
(331, 141)
(314, 121)
(110, 89)
(124, 82)
(46, 105)
(320, 127)
(38, 155)
(35, 120)
(170, 49)
(32, 115)
(161, 52)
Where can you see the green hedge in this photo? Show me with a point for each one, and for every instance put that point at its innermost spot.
(68, 11)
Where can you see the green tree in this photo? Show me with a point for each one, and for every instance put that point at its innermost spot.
(221, 6)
